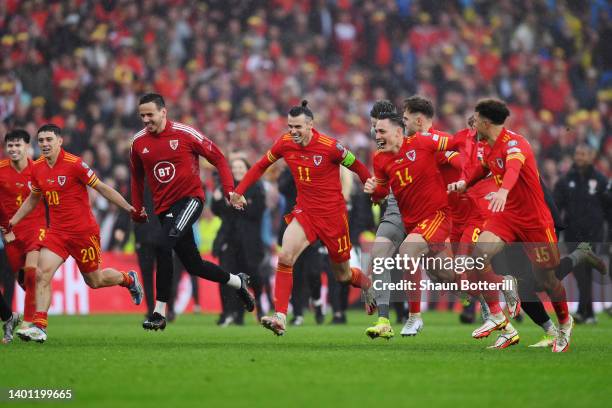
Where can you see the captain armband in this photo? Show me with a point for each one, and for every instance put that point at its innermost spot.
(349, 159)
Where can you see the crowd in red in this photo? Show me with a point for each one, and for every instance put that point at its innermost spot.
(233, 68)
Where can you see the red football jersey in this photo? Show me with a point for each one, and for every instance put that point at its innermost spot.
(413, 176)
(64, 189)
(315, 169)
(526, 199)
(451, 164)
(14, 189)
(170, 162)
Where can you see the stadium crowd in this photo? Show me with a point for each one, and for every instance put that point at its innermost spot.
(232, 69)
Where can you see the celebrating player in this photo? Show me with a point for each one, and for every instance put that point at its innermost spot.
(167, 153)
(62, 179)
(407, 165)
(22, 254)
(389, 235)
(320, 211)
(518, 210)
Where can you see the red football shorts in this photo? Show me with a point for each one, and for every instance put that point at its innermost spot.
(25, 241)
(331, 229)
(468, 239)
(456, 232)
(540, 241)
(434, 229)
(84, 247)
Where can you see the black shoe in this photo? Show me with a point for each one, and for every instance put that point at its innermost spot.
(156, 322)
(339, 318)
(243, 293)
(401, 319)
(467, 317)
(319, 316)
(519, 318)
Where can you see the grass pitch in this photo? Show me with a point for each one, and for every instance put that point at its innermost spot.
(110, 361)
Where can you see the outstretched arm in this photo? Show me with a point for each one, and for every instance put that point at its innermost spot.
(28, 205)
(113, 196)
(513, 170)
(353, 164)
(253, 174)
(136, 180)
(377, 186)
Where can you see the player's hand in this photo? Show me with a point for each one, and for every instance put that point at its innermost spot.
(237, 200)
(498, 200)
(369, 186)
(458, 186)
(9, 237)
(139, 217)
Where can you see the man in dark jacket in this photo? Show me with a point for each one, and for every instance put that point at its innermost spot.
(580, 195)
(239, 244)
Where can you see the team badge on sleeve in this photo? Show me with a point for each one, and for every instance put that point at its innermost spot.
(317, 159)
(500, 163)
(61, 180)
(411, 155)
(174, 144)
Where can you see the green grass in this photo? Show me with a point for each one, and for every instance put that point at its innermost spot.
(110, 360)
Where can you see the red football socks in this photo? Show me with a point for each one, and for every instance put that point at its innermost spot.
(559, 301)
(40, 320)
(491, 296)
(414, 296)
(30, 293)
(283, 283)
(359, 280)
(127, 280)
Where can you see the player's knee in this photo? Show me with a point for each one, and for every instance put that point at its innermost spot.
(341, 273)
(550, 284)
(485, 249)
(287, 258)
(413, 247)
(43, 276)
(92, 280)
(382, 248)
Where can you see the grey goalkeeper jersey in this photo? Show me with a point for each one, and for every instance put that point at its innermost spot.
(392, 212)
